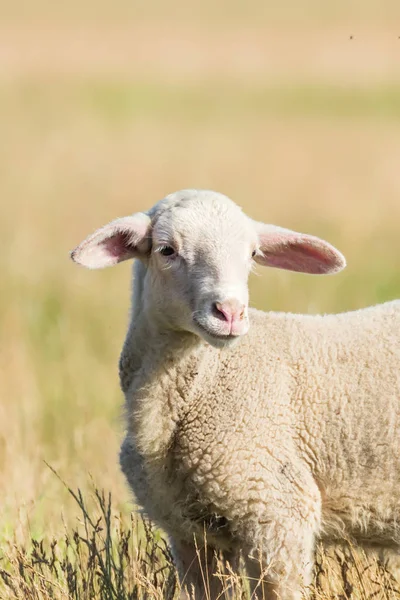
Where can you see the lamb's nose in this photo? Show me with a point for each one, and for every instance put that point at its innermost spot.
(230, 310)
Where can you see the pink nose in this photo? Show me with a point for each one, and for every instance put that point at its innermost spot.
(230, 311)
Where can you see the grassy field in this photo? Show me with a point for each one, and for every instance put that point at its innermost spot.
(104, 109)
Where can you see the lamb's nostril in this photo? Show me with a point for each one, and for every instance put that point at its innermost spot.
(222, 312)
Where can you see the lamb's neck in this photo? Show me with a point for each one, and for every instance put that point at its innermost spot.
(160, 371)
(149, 348)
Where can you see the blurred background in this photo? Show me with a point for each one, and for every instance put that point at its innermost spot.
(292, 109)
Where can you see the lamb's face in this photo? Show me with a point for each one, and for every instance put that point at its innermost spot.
(197, 279)
(197, 248)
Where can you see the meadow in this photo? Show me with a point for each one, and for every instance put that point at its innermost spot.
(293, 111)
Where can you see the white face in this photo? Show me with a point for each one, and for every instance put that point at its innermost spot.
(201, 257)
(197, 248)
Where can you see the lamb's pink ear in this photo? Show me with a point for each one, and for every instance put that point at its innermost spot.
(119, 240)
(286, 249)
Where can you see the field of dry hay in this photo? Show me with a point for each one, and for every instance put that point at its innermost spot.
(292, 110)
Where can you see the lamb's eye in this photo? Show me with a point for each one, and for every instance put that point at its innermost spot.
(167, 251)
(253, 253)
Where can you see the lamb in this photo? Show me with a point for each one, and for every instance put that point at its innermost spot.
(250, 442)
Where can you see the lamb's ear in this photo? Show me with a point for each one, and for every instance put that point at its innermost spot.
(286, 249)
(128, 237)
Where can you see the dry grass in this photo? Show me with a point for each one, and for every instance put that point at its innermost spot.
(102, 116)
(106, 557)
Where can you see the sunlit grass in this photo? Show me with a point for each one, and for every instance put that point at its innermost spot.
(112, 557)
(117, 103)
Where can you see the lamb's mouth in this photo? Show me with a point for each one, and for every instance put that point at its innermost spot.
(216, 336)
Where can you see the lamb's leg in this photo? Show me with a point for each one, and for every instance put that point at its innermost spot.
(197, 567)
(284, 567)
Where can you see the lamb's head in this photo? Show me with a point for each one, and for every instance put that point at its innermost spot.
(196, 250)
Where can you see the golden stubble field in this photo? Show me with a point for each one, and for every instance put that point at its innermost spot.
(104, 108)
